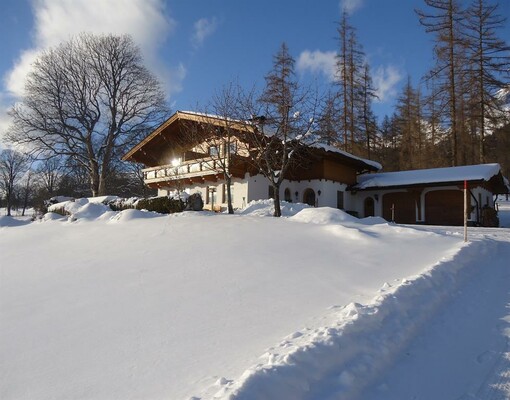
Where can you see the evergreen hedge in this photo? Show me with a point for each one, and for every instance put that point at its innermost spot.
(162, 205)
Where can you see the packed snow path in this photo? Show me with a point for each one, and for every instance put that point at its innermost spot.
(464, 350)
(442, 335)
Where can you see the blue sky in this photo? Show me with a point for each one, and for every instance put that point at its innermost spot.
(196, 46)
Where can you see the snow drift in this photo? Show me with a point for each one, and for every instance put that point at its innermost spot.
(200, 305)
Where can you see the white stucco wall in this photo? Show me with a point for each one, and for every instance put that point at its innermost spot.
(257, 188)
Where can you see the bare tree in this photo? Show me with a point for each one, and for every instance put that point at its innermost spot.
(27, 190)
(220, 141)
(88, 99)
(489, 65)
(49, 173)
(13, 166)
(444, 21)
(349, 78)
(282, 119)
(368, 122)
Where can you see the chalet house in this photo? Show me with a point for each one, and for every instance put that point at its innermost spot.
(175, 163)
(333, 178)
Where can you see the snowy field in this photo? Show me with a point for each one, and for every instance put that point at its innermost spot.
(316, 305)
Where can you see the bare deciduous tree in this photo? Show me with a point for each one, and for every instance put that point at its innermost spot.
(88, 99)
(13, 165)
(443, 19)
(489, 65)
(220, 142)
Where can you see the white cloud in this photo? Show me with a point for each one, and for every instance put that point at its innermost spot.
(350, 6)
(57, 20)
(203, 28)
(4, 118)
(318, 62)
(385, 80)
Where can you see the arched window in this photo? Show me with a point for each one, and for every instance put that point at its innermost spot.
(287, 196)
(309, 197)
(369, 207)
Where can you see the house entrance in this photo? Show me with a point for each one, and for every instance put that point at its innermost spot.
(399, 207)
(369, 207)
(309, 197)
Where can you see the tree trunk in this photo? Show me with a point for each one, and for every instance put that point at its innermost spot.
(228, 182)
(25, 198)
(277, 208)
(94, 178)
(8, 198)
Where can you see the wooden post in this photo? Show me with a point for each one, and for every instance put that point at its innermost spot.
(465, 209)
(393, 213)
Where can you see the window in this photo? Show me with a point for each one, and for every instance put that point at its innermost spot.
(224, 194)
(211, 195)
(213, 151)
(232, 148)
(287, 196)
(340, 200)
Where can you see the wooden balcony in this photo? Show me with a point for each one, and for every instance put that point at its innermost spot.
(192, 170)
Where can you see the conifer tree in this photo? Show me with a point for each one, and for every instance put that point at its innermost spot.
(489, 66)
(443, 20)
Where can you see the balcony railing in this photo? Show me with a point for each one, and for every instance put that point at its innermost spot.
(185, 170)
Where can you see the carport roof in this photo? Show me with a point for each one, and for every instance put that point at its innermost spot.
(480, 172)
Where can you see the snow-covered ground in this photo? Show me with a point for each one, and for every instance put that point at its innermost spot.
(316, 305)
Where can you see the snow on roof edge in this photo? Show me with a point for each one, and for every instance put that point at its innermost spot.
(332, 149)
(425, 176)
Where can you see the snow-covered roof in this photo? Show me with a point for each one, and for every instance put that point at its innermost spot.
(332, 149)
(481, 172)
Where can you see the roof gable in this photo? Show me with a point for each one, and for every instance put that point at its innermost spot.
(165, 136)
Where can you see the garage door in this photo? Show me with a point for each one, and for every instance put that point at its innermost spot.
(404, 204)
(444, 207)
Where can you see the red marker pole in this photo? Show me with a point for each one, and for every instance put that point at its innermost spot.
(465, 210)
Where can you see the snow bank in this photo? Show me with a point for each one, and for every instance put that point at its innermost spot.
(87, 209)
(265, 208)
(11, 221)
(51, 216)
(323, 215)
(356, 342)
(129, 215)
(503, 211)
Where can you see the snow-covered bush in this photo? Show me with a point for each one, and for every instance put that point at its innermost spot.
(121, 204)
(162, 205)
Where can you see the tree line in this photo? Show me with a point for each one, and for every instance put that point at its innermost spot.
(459, 112)
(90, 99)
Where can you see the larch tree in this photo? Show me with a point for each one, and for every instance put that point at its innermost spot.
(489, 67)
(368, 121)
(349, 66)
(443, 20)
(88, 99)
(282, 121)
